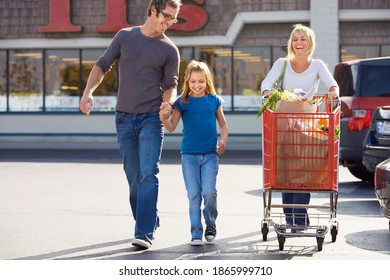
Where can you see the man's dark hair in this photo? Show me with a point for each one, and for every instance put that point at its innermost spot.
(161, 4)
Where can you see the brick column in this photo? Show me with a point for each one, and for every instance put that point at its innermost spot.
(324, 20)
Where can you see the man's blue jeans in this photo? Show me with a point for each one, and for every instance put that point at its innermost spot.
(200, 177)
(140, 138)
(296, 216)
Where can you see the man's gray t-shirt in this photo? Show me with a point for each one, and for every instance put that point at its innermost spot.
(147, 67)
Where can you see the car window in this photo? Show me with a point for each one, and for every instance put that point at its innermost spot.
(374, 80)
(344, 77)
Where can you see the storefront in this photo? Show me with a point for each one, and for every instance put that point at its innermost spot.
(48, 47)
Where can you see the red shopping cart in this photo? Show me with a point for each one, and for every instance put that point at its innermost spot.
(300, 154)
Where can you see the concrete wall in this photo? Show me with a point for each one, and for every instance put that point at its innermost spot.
(98, 131)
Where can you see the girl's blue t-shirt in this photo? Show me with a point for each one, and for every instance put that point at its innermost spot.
(199, 118)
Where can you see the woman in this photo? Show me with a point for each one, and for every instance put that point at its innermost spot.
(303, 72)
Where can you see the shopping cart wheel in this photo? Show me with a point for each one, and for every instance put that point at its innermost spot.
(281, 240)
(320, 242)
(334, 231)
(264, 230)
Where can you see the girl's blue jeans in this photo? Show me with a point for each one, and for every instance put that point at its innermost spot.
(200, 178)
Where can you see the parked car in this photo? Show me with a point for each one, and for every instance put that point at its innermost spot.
(376, 145)
(364, 86)
(382, 187)
(376, 156)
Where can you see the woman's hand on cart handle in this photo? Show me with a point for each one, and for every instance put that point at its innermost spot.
(266, 93)
(333, 95)
(333, 92)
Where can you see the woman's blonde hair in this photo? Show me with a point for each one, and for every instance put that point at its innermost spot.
(197, 66)
(305, 31)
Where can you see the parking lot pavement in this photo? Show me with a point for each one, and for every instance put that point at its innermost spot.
(64, 204)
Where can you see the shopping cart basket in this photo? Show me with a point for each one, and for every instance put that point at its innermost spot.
(300, 155)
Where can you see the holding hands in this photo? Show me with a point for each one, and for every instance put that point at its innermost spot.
(165, 111)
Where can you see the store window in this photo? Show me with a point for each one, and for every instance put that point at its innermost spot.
(25, 80)
(3, 81)
(350, 52)
(219, 60)
(62, 80)
(277, 52)
(237, 75)
(250, 67)
(105, 94)
(385, 50)
(186, 54)
(237, 72)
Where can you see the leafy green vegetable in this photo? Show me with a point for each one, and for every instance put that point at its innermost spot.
(270, 102)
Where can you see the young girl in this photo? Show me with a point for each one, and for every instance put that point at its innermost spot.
(200, 108)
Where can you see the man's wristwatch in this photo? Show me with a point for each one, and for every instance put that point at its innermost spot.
(172, 105)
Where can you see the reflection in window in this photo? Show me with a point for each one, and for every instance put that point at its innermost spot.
(25, 79)
(105, 94)
(3, 80)
(346, 78)
(219, 61)
(62, 80)
(251, 64)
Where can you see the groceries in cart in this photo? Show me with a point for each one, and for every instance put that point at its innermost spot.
(300, 155)
(301, 101)
(301, 139)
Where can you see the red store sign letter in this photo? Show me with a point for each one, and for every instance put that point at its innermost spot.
(115, 16)
(60, 18)
(191, 17)
(195, 17)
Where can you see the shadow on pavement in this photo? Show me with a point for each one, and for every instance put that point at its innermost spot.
(233, 248)
(372, 240)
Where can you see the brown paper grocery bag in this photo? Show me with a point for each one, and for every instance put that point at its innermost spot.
(284, 106)
(301, 149)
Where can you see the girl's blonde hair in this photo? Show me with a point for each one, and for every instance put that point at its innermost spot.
(197, 66)
(305, 31)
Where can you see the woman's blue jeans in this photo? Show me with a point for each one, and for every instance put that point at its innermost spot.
(140, 138)
(296, 216)
(200, 177)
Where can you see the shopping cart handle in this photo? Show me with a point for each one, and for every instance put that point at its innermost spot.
(336, 101)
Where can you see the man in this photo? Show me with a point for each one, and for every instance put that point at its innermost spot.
(148, 64)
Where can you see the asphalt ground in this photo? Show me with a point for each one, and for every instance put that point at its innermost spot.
(73, 205)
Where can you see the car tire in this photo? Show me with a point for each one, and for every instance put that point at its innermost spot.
(361, 172)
